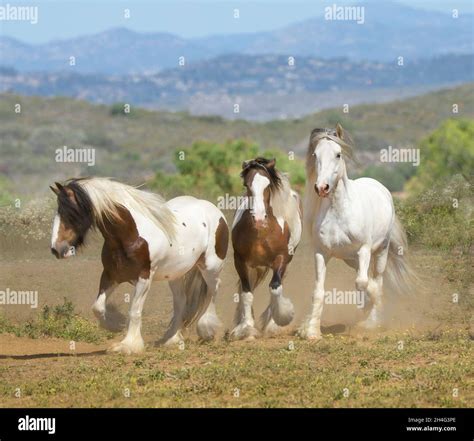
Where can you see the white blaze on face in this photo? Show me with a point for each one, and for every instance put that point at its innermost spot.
(327, 163)
(259, 184)
(54, 234)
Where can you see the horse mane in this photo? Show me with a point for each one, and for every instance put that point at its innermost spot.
(103, 198)
(282, 198)
(262, 163)
(80, 214)
(285, 202)
(339, 136)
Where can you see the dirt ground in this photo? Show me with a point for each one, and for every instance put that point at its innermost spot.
(435, 359)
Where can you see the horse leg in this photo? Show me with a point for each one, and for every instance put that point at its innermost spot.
(280, 311)
(173, 334)
(133, 341)
(375, 290)
(362, 280)
(245, 323)
(311, 328)
(111, 320)
(208, 323)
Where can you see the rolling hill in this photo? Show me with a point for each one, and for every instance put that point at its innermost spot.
(265, 86)
(133, 147)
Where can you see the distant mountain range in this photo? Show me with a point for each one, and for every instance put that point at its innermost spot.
(389, 30)
(262, 84)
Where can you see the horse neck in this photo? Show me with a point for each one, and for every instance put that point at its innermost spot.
(279, 200)
(118, 232)
(341, 191)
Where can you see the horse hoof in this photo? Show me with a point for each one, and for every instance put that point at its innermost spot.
(307, 334)
(127, 348)
(271, 330)
(245, 332)
(176, 339)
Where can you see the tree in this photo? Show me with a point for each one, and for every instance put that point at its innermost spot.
(447, 152)
(209, 170)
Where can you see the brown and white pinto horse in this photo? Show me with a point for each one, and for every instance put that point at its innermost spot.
(265, 233)
(183, 241)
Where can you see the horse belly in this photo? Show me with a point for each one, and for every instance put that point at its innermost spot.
(188, 246)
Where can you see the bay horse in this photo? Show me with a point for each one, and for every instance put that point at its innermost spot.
(183, 241)
(265, 233)
(352, 220)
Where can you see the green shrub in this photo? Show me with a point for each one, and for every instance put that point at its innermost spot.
(440, 217)
(59, 321)
(210, 170)
(448, 151)
(394, 178)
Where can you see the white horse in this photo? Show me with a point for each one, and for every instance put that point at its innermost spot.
(182, 241)
(352, 220)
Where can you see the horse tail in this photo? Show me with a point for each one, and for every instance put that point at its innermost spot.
(197, 294)
(399, 274)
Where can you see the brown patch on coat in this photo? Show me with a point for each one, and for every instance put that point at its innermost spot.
(260, 246)
(125, 254)
(222, 239)
(263, 244)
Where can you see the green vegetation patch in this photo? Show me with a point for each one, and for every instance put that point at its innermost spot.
(58, 321)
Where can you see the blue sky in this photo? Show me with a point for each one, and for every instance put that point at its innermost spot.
(66, 19)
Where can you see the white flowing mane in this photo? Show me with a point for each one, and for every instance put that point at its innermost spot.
(107, 195)
(285, 202)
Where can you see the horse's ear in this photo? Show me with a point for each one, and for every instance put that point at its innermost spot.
(59, 186)
(54, 190)
(271, 163)
(244, 164)
(339, 131)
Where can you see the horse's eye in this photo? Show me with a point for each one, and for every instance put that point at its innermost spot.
(338, 156)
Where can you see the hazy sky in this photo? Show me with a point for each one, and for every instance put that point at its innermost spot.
(66, 19)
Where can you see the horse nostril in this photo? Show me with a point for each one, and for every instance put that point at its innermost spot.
(326, 188)
(316, 188)
(54, 251)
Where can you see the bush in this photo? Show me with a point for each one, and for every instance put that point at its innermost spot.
(440, 217)
(118, 109)
(210, 170)
(448, 151)
(59, 321)
(394, 178)
(30, 222)
(6, 197)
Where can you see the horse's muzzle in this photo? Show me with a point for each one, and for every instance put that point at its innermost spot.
(322, 190)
